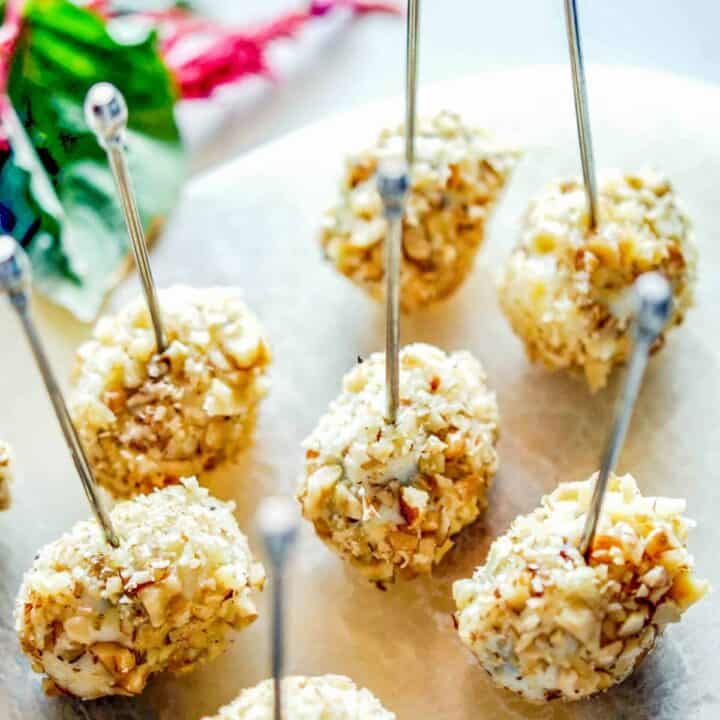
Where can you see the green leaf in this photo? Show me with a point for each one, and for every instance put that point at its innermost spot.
(29, 208)
(79, 249)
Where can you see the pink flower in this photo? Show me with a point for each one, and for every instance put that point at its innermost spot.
(202, 55)
(9, 32)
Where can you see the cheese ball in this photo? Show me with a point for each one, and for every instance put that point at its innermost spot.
(390, 498)
(458, 174)
(6, 475)
(546, 624)
(333, 697)
(146, 420)
(98, 620)
(563, 287)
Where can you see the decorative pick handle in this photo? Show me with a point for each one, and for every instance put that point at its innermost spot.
(277, 521)
(392, 182)
(654, 303)
(15, 281)
(106, 114)
(582, 113)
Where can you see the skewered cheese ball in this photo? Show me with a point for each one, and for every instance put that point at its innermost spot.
(146, 420)
(6, 476)
(458, 173)
(390, 498)
(546, 624)
(307, 698)
(562, 284)
(99, 620)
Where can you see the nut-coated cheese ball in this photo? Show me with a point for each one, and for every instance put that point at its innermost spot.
(6, 475)
(98, 620)
(546, 624)
(458, 174)
(389, 498)
(146, 419)
(327, 697)
(563, 286)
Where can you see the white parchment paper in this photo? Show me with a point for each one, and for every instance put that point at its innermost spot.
(252, 223)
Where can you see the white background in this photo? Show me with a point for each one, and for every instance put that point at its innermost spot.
(336, 65)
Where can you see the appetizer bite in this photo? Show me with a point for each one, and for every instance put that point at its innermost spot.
(6, 475)
(457, 174)
(390, 497)
(563, 286)
(168, 387)
(307, 698)
(147, 418)
(99, 620)
(545, 623)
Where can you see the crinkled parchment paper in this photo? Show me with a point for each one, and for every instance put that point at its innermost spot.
(252, 223)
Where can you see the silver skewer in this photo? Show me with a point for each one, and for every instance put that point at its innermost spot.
(411, 65)
(582, 113)
(15, 281)
(392, 181)
(654, 304)
(277, 522)
(106, 114)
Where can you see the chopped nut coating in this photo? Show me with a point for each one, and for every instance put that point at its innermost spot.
(307, 698)
(563, 287)
(99, 620)
(6, 475)
(546, 624)
(389, 498)
(145, 419)
(458, 174)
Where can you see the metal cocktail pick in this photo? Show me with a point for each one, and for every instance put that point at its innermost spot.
(654, 304)
(15, 281)
(106, 114)
(411, 65)
(392, 181)
(277, 521)
(582, 114)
